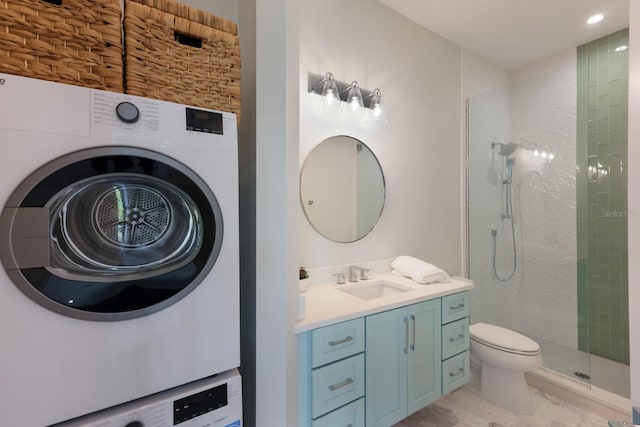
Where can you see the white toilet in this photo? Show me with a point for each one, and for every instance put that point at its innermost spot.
(504, 356)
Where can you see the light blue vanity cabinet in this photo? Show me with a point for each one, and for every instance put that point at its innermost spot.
(332, 378)
(455, 341)
(402, 362)
(375, 370)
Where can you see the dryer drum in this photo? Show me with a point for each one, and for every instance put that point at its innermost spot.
(131, 216)
(120, 227)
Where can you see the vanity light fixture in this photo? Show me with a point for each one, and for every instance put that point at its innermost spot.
(358, 100)
(595, 19)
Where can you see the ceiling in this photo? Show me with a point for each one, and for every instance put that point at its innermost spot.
(514, 33)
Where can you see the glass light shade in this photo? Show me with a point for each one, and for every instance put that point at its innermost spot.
(330, 96)
(376, 107)
(354, 98)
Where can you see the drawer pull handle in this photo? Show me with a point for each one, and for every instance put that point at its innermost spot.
(456, 373)
(457, 307)
(334, 387)
(458, 338)
(342, 341)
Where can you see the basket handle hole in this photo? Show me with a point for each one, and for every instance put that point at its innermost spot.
(56, 2)
(187, 40)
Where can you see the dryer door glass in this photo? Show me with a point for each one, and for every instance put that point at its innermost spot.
(111, 233)
(119, 227)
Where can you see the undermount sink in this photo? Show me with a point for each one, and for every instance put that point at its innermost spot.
(374, 289)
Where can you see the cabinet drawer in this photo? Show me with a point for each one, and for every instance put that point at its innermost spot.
(455, 307)
(351, 415)
(455, 338)
(455, 372)
(336, 384)
(336, 342)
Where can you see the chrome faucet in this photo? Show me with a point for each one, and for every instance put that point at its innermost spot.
(353, 273)
(339, 278)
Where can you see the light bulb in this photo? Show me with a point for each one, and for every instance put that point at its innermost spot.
(354, 104)
(536, 153)
(377, 113)
(355, 97)
(377, 110)
(330, 104)
(551, 156)
(330, 97)
(543, 155)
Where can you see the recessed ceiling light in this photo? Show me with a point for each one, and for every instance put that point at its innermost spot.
(595, 19)
(621, 48)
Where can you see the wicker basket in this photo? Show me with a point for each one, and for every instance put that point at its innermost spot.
(68, 41)
(177, 53)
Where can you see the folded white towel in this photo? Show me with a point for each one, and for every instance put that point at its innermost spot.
(418, 270)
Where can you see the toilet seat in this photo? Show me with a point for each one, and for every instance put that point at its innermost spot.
(503, 339)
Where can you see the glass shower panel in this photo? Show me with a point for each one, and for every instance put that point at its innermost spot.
(603, 327)
(522, 214)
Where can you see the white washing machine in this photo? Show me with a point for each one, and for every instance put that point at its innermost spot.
(119, 248)
(210, 402)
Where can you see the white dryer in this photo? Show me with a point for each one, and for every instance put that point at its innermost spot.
(119, 248)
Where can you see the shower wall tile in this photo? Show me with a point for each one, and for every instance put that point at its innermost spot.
(602, 133)
(538, 113)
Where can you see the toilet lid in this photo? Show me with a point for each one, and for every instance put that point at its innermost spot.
(502, 338)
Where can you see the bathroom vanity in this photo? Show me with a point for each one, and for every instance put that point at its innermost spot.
(375, 352)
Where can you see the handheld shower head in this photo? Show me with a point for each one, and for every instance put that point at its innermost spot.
(509, 149)
(506, 149)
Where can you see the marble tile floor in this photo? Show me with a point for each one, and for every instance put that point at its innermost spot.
(465, 408)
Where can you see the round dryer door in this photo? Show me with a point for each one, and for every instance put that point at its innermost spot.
(110, 233)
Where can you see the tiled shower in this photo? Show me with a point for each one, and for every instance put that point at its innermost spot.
(569, 290)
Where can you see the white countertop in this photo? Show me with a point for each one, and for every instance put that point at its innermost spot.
(325, 304)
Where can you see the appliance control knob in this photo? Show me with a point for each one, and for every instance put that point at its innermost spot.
(127, 112)
(135, 424)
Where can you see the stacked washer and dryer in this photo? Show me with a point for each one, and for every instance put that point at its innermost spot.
(119, 250)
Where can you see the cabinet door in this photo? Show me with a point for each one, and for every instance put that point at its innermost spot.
(425, 379)
(386, 367)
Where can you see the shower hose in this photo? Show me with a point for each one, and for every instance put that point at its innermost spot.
(494, 233)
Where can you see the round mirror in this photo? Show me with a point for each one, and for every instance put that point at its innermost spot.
(342, 189)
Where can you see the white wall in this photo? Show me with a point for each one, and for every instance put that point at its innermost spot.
(419, 150)
(277, 211)
(634, 200)
(480, 75)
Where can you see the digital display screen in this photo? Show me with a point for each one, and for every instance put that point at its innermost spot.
(199, 404)
(204, 121)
